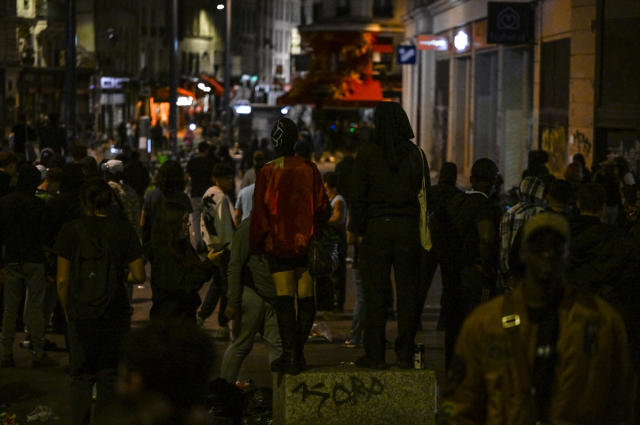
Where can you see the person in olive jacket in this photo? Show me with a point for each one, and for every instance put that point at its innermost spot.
(177, 273)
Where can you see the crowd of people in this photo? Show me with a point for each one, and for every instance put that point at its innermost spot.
(538, 301)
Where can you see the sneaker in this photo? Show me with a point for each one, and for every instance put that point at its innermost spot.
(351, 344)
(44, 361)
(223, 333)
(369, 363)
(7, 361)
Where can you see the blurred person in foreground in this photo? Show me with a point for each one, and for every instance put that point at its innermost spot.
(544, 353)
(173, 362)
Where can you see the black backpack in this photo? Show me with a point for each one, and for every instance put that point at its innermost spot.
(94, 278)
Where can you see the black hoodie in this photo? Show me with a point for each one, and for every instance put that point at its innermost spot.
(599, 254)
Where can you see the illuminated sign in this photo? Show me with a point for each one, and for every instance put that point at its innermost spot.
(406, 55)
(184, 101)
(112, 82)
(433, 42)
(461, 41)
(511, 23)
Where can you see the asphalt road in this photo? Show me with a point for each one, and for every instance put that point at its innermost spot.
(25, 388)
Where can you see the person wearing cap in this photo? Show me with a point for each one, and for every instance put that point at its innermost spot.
(289, 206)
(469, 272)
(217, 228)
(546, 353)
(125, 195)
(532, 193)
(50, 185)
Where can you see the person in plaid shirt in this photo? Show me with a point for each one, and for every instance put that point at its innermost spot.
(532, 193)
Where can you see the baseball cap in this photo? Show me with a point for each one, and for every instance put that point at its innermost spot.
(113, 165)
(43, 170)
(546, 221)
(484, 169)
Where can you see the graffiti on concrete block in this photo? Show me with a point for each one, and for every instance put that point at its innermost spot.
(340, 394)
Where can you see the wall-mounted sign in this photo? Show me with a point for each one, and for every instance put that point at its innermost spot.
(433, 42)
(511, 23)
(112, 83)
(406, 55)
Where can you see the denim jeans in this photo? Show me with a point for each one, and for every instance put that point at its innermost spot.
(18, 277)
(94, 348)
(357, 325)
(217, 291)
(257, 316)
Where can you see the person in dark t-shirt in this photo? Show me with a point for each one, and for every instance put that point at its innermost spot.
(95, 334)
(199, 170)
(472, 270)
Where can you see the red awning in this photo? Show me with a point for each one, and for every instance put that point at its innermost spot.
(365, 94)
(161, 94)
(218, 89)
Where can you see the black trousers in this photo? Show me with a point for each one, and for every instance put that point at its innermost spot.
(390, 243)
(94, 349)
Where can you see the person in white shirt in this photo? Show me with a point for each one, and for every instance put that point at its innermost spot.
(217, 231)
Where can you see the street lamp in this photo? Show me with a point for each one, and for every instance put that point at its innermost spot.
(227, 76)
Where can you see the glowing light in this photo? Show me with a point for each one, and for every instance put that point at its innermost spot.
(184, 101)
(461, 41)
(353, 125)
(243, 109)
(192, 127)
(285, 110)
(352, 130)
(333, 127)
(220, 6)
(204, 88)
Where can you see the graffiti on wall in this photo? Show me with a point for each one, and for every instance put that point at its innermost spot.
(554, 141)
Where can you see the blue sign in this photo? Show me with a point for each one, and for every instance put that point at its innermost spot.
(407, 55)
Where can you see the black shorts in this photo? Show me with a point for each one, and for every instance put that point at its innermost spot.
(278, 265)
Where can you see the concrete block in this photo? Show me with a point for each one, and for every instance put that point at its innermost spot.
(345, 394)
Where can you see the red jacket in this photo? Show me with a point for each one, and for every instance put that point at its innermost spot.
(288, 203)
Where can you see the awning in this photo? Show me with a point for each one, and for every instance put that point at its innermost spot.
(161, 94)
(358, 94)
(218, 89)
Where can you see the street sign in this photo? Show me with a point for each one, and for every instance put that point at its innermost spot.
(511, 23)
(433, 42)
(406, 55)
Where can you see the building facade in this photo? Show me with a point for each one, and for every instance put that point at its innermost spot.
(471, 99)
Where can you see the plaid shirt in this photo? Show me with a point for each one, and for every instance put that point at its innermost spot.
(531, 198)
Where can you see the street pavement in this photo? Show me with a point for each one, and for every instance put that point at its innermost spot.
(24, 388)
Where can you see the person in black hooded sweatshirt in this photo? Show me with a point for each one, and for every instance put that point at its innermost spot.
(387, 178)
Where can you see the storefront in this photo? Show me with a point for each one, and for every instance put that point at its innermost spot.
(472, 99)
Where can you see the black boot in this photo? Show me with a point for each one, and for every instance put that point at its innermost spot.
(306, 316)
(286, 315)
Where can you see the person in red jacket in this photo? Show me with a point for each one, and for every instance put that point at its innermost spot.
(288, 205)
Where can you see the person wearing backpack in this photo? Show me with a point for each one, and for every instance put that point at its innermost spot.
(94, 254)
(466, 241)
(177, 273)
